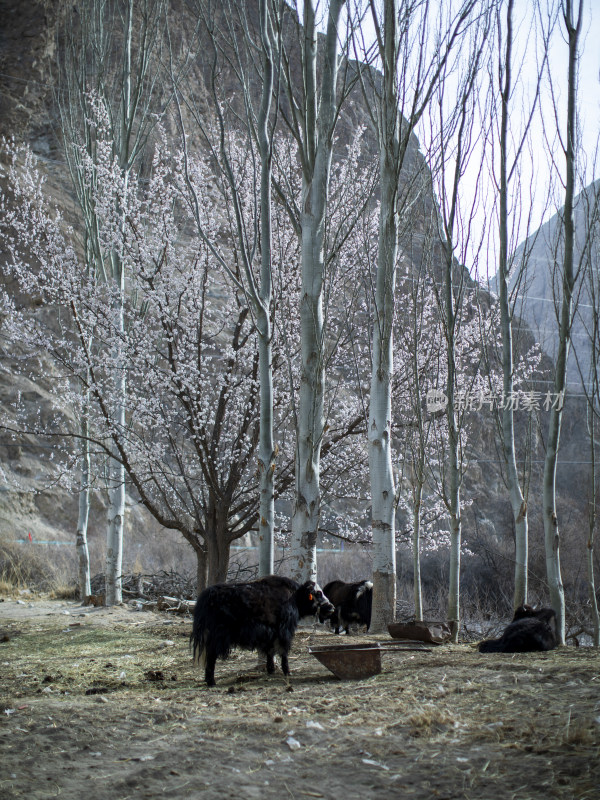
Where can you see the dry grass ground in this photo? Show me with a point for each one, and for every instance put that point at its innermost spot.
(99, 703)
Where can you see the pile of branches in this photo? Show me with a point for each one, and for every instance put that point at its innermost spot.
(151, 587)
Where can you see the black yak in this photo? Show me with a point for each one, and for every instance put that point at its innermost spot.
(352, 601)
(259, 615)
(531, 630)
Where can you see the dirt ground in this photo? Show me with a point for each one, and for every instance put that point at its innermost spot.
(100, 703)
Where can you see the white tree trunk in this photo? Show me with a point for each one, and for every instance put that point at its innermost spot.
(114, 533)
(116, 477)
(383, 490)
(455, 539)
(380, 463)
(595, 614)
(417, 588)
(593, 404)
(518, 504)
(319, 122)
(454, 469)
(116, 485)
(305, 520)
(551, 533)
(266, 455)
(83, 555)
(258, 293)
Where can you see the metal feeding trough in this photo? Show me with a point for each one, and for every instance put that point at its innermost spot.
(421, 631)
(349, 662)
(355, 662)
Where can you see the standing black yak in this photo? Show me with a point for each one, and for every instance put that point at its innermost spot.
(352, 601)
(531, 630)
(259, 615)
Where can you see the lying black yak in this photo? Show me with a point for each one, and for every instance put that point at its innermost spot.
(531, 630)
(352, 601)
(260, 615)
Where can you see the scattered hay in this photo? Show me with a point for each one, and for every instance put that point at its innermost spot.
(430, 719)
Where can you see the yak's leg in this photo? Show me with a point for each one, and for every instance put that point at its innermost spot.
(270, 663)
(209, 672)
(285, 667)
(336, 621)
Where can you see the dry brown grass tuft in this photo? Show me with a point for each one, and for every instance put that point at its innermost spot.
(64, 591)
(430, 719)
(23, 567)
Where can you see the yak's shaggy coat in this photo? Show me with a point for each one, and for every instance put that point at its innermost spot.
(531, 630)
(353, 603)
(259, 615)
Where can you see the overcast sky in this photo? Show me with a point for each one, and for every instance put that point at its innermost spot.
(538, 171)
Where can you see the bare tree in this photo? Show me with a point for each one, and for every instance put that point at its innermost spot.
(420, 348)
(568, 276)
(311, 115)
(408, 84)
(588, 216)
(456, 135)
(509, 163)
(593, 416)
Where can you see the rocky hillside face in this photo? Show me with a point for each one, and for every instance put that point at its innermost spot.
(541, 290)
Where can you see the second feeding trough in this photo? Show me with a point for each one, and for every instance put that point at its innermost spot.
(357, 662)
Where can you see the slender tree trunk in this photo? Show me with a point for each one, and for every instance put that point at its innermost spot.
(455, 530)
(551, 532)
(116, 490)
(266, 455)
(116, 482)
(383, 490)
(454, 472)
(419, 459)
(266, 459)
(114, 536)
(83, 555)
(319, 122)
(305, 520)
(592, 411)
(592, 590)
(417, 590)
(592, 513)
(518, 504)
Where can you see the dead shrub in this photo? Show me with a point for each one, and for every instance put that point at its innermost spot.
(22, 567)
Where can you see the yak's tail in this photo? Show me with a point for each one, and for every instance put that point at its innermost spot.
(364, 600)
(491, 646)
(198, 634)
